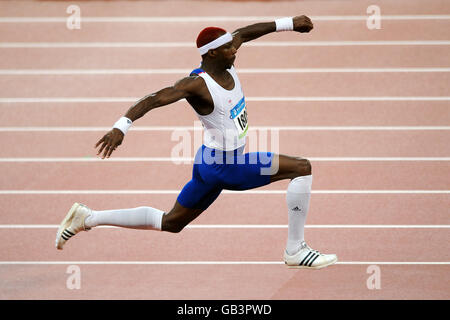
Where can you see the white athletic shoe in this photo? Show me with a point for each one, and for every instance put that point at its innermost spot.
(72, 224)
(308, 258)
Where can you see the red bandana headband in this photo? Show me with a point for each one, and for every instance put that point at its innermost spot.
(227, 37)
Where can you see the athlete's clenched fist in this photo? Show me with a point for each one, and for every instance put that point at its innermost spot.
(302, 24)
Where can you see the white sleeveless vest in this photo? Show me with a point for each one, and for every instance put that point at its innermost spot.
(225, 128)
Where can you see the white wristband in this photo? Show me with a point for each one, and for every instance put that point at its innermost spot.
(284, 24)
(123, 124)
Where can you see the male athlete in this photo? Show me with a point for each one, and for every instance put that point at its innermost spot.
(214, 92)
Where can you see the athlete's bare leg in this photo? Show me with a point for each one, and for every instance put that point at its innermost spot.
(289, 167)
(179, 217)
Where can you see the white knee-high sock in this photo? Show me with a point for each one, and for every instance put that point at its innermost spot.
(298, 196)
(135, 218)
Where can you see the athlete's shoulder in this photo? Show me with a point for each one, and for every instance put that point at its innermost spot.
(196, 72)
(191, 84)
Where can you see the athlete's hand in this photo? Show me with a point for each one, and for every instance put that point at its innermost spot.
(302, 24)
(110, 142)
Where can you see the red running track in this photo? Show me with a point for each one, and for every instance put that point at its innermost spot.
(387, 210)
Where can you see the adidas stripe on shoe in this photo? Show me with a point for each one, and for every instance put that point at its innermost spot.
(308, 258)
(72, 224)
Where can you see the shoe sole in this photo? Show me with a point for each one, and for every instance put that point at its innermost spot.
(314, 268)
(65, 224)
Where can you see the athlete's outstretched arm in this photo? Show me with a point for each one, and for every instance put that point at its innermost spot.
(301, 24)
(182, 89)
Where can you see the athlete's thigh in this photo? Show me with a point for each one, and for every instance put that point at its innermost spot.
(249, 171)
(197, 194)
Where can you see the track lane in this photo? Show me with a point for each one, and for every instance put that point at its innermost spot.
(168, 143)
(106, 244)
(160, 176)
(248, 57)
(187, 31)
(334, 84)
(263, 113)
(226, 9)
(333, 209)
(342, 282)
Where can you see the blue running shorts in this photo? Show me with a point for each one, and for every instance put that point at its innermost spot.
(216, 170)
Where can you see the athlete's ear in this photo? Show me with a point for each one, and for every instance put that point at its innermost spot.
(212, 53)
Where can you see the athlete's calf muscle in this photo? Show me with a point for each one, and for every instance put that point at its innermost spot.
(176, 219)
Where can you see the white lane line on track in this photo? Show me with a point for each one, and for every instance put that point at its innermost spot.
(253, 128)
(246, 192)
(212, 263)
(187, 71)
(178, 160)
(286, 99)
(202, 19)
(254, 226)
(191, 45)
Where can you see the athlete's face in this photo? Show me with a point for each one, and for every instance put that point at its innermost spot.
(227, 53)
